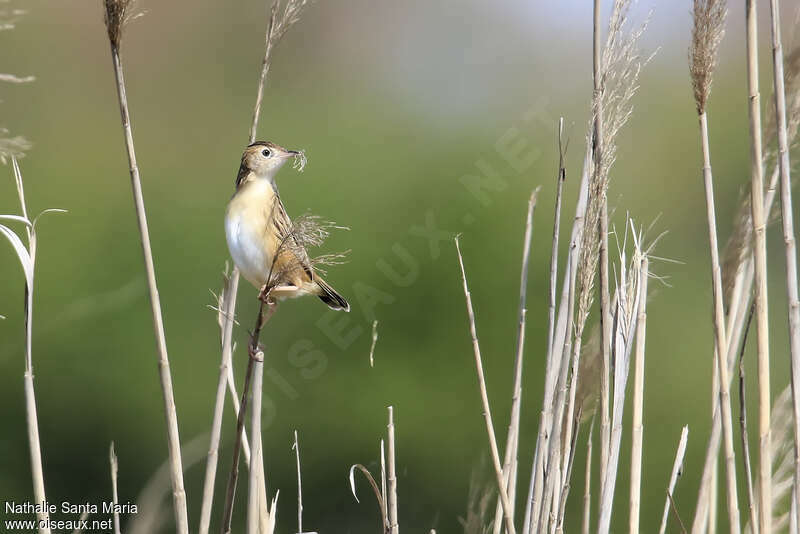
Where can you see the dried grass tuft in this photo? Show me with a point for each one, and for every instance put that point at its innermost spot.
(707, 33)
(117, 14)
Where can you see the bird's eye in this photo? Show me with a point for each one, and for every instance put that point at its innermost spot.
(266, 152)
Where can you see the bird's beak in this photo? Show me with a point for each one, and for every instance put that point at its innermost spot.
(292, 153)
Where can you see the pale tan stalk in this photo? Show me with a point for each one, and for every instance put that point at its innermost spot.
(391, 495)
(605, 306)
(31, 415)
(296, 448)
(487, 414)
(587, 492)
(760, 254)
(512, 439)
(112, 458)
(748, 470)
(257, 459)
(114, 22)
(677, 468)
(638, 402)
(721, 349)
(229, 291)
(788, 227)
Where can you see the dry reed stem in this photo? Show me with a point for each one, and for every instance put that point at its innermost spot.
(228, 298)
(31, 415)
(638, 402)
(677, 468)
(112, 458)
(391, 496)
(788, 226)
(605, 316)
(587, 492)
(512, 440)
(115, 17)
(760, 254)
(254, 349)
(487, 414)
(748, 470)
(296, 448)
(257, 459)
(721, 348)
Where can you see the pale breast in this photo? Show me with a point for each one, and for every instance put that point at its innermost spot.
(248, 232)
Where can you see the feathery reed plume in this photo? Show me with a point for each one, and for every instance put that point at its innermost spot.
(512, 439)
(677, 470)
(782, 468)
(112, 458)
(487, 414)
(478, 498)
(616, 71)
(760, 261)
(117, 13)
(708, 30)
(788, 227)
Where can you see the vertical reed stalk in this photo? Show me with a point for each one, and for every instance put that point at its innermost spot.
(257, 458)
(605, 307)
(719, 331)
(677, 468)
(638, 402)
(115, 18)
(394, 527)
(587, 492)
(760, 254)
(788, 227)
(296, 448)
(112, 458)
(512, 439)
(487, 414)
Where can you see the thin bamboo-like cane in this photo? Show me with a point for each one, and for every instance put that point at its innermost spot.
(587, 492)
(257, 459)
(391, 495)
(638, 402)
(512, 439)
(748, 470)
(296, 448)
(760, 255)
(487, 414)
(605, 305)
(788, 228)
(112, 459)
(31, 415)
(719, 332)
(170, 412)
(677, 468)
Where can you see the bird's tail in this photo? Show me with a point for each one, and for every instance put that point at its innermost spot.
(329, 296)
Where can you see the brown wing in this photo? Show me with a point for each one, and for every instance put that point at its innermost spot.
(291, 253)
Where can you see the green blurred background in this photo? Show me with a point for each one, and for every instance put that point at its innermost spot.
(393, 102)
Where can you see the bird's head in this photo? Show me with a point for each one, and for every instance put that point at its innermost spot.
(262, 159)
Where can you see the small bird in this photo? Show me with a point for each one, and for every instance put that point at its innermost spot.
(260, 234)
